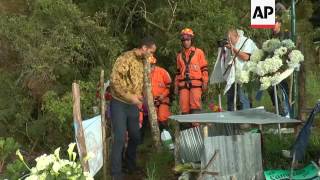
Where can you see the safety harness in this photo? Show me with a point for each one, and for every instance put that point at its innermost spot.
(187, 79)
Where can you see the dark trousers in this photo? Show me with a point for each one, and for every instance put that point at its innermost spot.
(124, 117)
(283, 99)
(244, 100)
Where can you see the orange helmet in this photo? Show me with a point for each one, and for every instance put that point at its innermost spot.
(152, 60)
(186, 33)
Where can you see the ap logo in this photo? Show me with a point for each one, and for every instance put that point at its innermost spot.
(262, 13)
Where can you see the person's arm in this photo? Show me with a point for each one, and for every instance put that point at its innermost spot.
(246, 50)
(242, 55)
(204, 69)
(176, 81)
(167, 81)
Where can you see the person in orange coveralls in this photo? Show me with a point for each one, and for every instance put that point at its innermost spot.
(192, 76)
(160, 82)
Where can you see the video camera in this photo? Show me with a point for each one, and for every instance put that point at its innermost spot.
(222, 42)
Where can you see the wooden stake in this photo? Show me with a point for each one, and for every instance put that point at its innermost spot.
(78, 126)
(290, 91)
(151, 109)
(103, 126)
(205, 131)
(277, 106)
(220, 103)
(235, 97)
(177, 143)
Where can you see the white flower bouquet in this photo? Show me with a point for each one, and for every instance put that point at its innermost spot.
(271, 64)
(53, 167)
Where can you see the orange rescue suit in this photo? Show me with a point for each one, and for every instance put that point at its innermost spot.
(192, 74)
(160, 82)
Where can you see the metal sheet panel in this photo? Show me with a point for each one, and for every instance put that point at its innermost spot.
(249, 116)
(238, 156)
(191, 145)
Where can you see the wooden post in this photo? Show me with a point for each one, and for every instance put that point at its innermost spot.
(151, 109)
(219, 98)
(291, 91)
(177, 143)
(205, 131)
(302, 86)
(235, 97)
(103, 126)
(277, 106)
(78, 126)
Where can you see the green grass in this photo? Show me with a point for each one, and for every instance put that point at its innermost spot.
(158, 165)
(272, 146)
(312, 88)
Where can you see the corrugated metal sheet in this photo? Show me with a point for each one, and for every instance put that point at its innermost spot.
(191, 145)
(249, 116)
(238, 156)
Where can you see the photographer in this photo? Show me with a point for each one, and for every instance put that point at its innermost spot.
(234, 52)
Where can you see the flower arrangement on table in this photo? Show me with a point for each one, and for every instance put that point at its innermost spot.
(270, 65)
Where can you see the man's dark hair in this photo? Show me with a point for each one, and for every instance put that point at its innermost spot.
(147, 41)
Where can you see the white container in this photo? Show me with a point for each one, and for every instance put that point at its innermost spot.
(167, 139)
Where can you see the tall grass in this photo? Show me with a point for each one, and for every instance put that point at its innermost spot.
(312, 88)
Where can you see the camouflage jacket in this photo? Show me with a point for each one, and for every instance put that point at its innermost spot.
(127, 76)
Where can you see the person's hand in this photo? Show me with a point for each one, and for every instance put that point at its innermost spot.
(161, 97)
(229, 45)
(136, 99)
(204, 87)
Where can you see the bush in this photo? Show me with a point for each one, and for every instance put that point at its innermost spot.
(7, 147)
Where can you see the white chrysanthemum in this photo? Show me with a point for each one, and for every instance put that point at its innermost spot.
(65, 162)
(288, 43)
(260, 70)
(56, 166)
(257, 55)
(242, 76)
(271, 45)
(270, 65)
(265, 82)
(275, 79)
(250, 66)
(43, 176)
(33, 170)
(273, 64)
(280, 51)
(44, 161)
(295, 57)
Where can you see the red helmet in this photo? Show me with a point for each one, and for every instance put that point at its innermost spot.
(186, 33)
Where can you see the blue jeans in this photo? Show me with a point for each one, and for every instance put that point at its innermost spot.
(124, 117)
(283, 100)
(242, 97)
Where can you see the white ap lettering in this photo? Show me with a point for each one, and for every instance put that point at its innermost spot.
(268, 10)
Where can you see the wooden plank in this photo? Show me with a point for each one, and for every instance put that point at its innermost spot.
(103, 126)
(176, 145)
(78, 126)
(151, 109)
